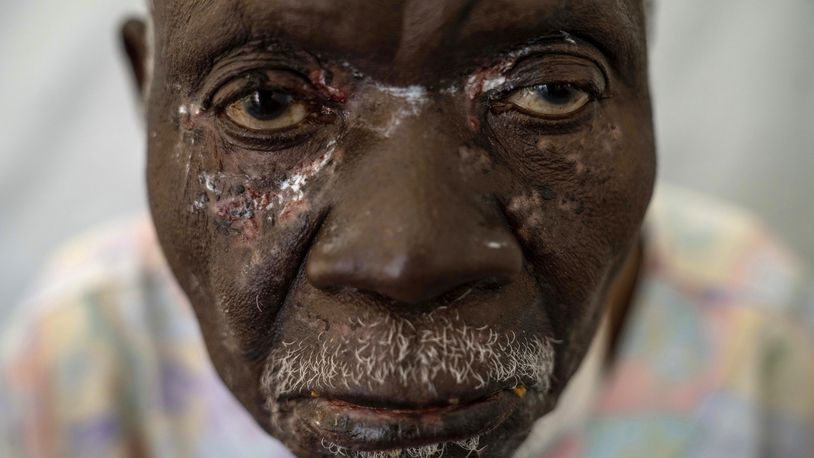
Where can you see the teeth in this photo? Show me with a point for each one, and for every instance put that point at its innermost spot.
(520, 391)
(314, 394)
(454, 401)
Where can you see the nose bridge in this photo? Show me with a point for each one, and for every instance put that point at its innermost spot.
(417, 196)
(408, 226)
(416, 184)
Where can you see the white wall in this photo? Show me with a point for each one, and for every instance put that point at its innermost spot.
(734, 97)
(732, 83)
(70, 143)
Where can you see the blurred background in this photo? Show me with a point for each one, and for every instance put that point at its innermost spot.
(733, 84)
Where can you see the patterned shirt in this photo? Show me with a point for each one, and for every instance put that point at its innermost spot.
(716, 359)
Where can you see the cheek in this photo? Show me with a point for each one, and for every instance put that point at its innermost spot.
(234, 223)
(576, 206)
(216, 189)
(592, 185)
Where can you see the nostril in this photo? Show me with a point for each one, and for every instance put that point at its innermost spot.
(416, 272)
(415, 261)
(484, 285)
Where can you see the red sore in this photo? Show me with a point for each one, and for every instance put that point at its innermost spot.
(335, 94)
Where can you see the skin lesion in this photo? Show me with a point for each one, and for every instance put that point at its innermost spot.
(241, 204)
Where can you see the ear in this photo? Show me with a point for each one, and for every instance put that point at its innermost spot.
(134, 38)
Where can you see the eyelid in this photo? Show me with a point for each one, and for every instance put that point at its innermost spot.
(319, 111)
(266, 79)
(559, 68)
(254, 56)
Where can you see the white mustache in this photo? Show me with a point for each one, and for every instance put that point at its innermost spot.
(394, 350)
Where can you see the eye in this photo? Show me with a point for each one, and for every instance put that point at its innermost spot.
(550, 100)
(267, 110)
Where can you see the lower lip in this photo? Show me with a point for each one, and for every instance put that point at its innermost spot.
(369, 429)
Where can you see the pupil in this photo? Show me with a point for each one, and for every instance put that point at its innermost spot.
(267, 105)
(558, 94)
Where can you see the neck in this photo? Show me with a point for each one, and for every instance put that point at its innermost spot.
(620, 297)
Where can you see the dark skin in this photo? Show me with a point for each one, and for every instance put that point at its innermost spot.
(318, 166)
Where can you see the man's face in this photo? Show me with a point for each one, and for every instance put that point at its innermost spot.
(397, 221)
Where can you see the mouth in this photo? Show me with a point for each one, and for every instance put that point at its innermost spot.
(367, 426)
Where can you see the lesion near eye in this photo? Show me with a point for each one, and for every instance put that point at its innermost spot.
(550, 100)
(267, 110)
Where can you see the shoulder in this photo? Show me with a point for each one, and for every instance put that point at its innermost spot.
(78, 354)
(96, 270)
(746, 294)
(719, 348)
(721, 255)
(106, 359)
(716, 357)
(113, 275)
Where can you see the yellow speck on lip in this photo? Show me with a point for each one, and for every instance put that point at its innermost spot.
(454, 401)
(520, 391)
(314, 394)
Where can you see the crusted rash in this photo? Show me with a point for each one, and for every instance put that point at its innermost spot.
(238, 206)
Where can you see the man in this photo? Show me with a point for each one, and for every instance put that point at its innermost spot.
(402, 226)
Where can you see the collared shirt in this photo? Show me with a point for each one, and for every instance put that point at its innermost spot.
(716, 359)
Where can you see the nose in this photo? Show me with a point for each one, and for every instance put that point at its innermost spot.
(410, 227)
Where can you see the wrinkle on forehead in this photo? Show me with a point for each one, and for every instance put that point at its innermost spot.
(428, 22)
(197, 31)
(398, 42)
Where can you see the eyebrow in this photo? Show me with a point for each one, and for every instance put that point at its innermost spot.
(615, 34)
(618, 36)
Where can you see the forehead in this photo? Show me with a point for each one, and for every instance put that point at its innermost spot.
(396, 39)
